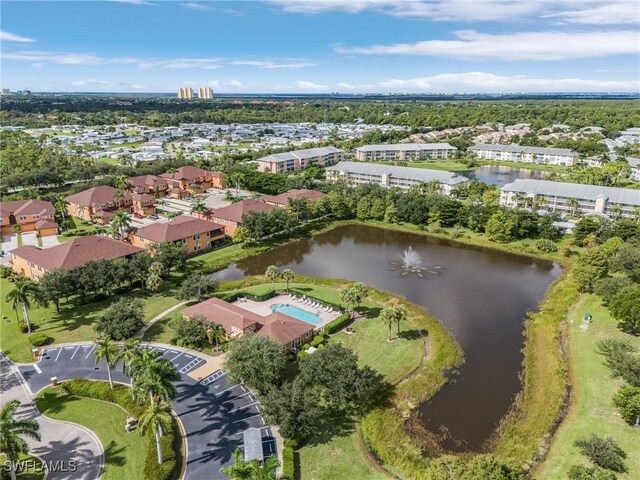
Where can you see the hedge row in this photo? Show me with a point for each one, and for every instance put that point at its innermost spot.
(98, 390)
(337, 324)
(288, 460)
(232, 297)
(301, 293)
(170, 443)
(39, 339)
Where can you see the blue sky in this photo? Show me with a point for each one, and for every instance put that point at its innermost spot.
(316, 46)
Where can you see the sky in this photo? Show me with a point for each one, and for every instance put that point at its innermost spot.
(321, 46)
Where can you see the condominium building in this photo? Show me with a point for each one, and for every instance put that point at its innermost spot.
(205, 93)
(193, 234)
(404, 151)
(299, 159)
(572, 198)
(185, 92)
(28, 216)
(394, 177)
(517, 153)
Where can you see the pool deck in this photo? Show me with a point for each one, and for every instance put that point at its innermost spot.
(264, 308)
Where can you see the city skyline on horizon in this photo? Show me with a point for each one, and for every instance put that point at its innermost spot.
(322, 46)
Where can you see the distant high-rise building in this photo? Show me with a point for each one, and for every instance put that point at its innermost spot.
(205, 92)
(185, 92)
(6, 91)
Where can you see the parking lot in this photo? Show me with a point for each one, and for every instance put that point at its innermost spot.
(213, 411)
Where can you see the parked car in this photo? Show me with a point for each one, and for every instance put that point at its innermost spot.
(154, 216)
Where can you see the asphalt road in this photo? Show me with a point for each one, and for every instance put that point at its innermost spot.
(214, 412)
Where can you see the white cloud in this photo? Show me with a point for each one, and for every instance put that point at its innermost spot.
(106, 85)
(137, 2)
(62, 58)
(272, 64)
(367, 87)
(309, 86)
(196, 6)
(478, 82)
(475, 10)
(213, 83)
(514, 46)
(614, 13)
(235, 84)
(12, 37)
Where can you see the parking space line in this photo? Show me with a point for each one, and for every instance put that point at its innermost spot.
(90, 350)
(247, 418)
(245, 406)
(59, 352)
(226, 390)
(74, 352)
(179, 355)
(37, 368)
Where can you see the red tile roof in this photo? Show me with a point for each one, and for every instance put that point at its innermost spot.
(26, 207)
(46, 223)
(94, 196)
(235, 211)
(218, 311)
(283, 328)
(147, 181)
(295, 194)
(77, 252)
(189, 173)
(177, 228)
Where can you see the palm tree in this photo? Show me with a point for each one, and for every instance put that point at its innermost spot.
(215, 333)
(272, 273)
(348, 297)
(119, 224)
(11, 431)
(616, 211)
(239, 470)
(199, 207)
(154, 377)
(60, 204)
(400, 316)
(287, 275)
(129, 354)
(572, 203)
(122, 183)
(388, 317)
(235, 179)
(17, 228)
(157, 417)
(110, 351)
(23, 292)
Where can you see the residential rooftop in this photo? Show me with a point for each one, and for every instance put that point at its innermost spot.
(624, 196)
(409, 173)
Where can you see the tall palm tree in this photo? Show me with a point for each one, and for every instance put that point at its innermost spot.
(23, 293)
(272, 273)
(157, 417)
(388, 317)
(110, 351)
(572, 203)
(287, 275)
(215, 333)
(120, 223)
(12, 430)
(60, 203)
(252, 470)
(239, 470)
(122, 183)
(235, 179)
(616, 211)
(400, 316)
(154, 377)
(130, 353)
(199, 207)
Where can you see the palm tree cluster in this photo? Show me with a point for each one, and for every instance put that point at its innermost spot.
(391, 315)
(253, 470)
(273, 273)
(12, 429)
(151, 378)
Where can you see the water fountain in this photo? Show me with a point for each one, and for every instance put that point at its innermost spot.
(411, 262)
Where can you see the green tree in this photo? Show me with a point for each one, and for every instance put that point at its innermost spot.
(156, 417)
(603, 452)
(12, 429)
(239, 470)
(622, 358)
(625, 307)
(130, 353)
(256, 360)
(272, 273)
(287, 275)
(154, 279)
(109, 351)
(215, 335)
(627, 260)
(154, 376)
(23, 293)
(580, 472)
(60, 204)
(500, 227)
(387, 315)
(122, 319)
(57, 284)
(199, 207)
(191, 332)
(627, 399)
(120, 224)
(197, 286)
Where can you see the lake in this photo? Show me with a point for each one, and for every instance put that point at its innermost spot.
(480, 295)
(501, 175)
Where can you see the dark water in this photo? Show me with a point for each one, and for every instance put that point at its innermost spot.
(480, 295)
(501, 175)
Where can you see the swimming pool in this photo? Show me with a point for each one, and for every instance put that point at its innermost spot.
(296, 312)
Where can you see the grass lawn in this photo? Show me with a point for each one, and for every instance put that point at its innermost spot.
(591, 408)
(161, 331)
(73, 323)
(449, 165)
(125, 452)
(32, 472)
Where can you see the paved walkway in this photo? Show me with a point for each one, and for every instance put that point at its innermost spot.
(160, 316)
(71, 451)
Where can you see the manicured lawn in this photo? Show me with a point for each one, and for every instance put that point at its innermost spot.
(73, 323)
(449, 165)
(125, 452)
(591, 409)
(225, 255)
(161, 331)
(29, 473)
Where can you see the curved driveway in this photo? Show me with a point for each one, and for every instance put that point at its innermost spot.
(213, 411)
(70, 451)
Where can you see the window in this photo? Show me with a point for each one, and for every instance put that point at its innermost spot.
(196, 237)
(22, 217)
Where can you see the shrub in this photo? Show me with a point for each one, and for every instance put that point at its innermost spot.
(607, 287)
(580, 472)
(39, 339)
(337, 324)
(604, 452)
(5, 272)
(627, 399)
(547, 246)
(169, 444)
(317, 341)
(288, 459)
